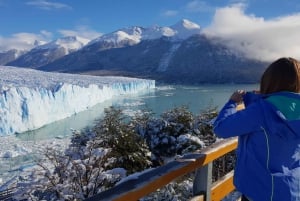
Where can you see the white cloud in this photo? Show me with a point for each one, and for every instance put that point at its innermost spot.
(27, 41)
(47, 5)
(82, 31)
(170, 13)
(23, 41)
(257, 37)
(46, 34)
(238, 1)
(198, 6)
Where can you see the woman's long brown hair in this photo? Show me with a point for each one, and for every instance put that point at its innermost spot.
(282, 75)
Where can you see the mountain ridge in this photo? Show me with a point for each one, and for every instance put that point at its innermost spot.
(161, 53)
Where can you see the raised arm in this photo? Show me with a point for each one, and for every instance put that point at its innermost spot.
(231, 122)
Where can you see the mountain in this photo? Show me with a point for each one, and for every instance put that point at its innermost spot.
(185, 29)
(49, 52)
(176, 54)
(131, 43)
(199, 59)
(194, 60)
(133, 35)
(10, 55)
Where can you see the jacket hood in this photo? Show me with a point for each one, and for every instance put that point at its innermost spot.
(286, 105)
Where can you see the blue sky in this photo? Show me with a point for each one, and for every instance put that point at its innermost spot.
(30, 20)
(104, 16)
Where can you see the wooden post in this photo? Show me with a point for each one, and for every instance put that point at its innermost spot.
(203, 181)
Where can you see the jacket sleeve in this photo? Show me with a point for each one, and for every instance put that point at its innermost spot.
(231, 122)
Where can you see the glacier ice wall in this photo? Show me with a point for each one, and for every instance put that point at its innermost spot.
(30, 99)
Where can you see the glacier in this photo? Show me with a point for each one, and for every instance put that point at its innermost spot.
(30, 99)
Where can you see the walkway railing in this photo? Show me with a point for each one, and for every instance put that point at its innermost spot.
(7, 194)
(203, 187)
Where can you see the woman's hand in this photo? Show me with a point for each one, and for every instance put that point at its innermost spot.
(237, 96)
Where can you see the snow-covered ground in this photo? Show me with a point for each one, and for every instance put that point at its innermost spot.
(30, 99)
(18, 156)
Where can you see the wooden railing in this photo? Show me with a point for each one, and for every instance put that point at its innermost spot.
(203, 188)
(7, 193)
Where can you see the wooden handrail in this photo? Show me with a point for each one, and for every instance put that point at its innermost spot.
(141, 185)
(7, 193)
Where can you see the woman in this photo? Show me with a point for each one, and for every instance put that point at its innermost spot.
(268, 130)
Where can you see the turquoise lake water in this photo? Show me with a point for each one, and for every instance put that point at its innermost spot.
(158, 100)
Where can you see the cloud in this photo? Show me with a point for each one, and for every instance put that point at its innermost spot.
(194, 6)
(238, 1)
(198, 6)
(170, 13)
(81, 31)
(27, 41)
(24, 41)
(47, 5)
(254, 36)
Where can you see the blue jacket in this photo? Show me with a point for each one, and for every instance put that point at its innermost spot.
(268, 153)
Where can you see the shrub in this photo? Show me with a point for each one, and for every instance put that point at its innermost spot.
(95, 160)
(176, 132)
(128, 148)
(61, 177)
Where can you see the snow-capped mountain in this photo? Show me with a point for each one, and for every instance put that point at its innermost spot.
(133, 35)
(69, 43)
(49, 52)
(10, 55)
(196, 59)
(127, 34)
(160, 53)
(185, 28)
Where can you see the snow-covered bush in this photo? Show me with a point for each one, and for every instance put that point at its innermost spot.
(177, 132)
(129, 149)
(61, 176)
(96, 159)
(203, 126)
(65, 176)
(179, 190)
